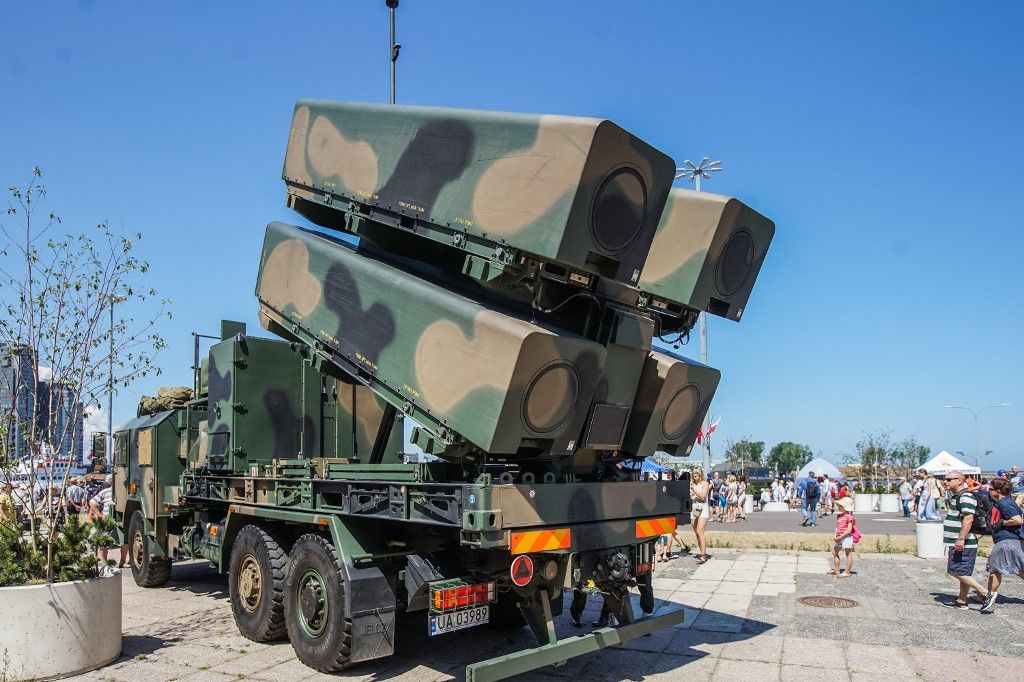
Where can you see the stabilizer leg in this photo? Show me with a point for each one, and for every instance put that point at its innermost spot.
(537, 611)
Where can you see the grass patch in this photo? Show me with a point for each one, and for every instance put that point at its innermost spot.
(821, 542)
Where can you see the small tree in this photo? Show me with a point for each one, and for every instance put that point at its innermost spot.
(874, 452)
(59, 294)
(744, 453)
(909, 455)
(788, 457)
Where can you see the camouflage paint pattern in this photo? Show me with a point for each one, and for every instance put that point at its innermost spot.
(707, 252)
(580, 191)
(148, 460)
(493, 378)
(671, 401)
(358, 413)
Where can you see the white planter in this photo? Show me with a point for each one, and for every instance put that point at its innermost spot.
(889, 503)
(863, 503)
(929, 540)
(60, 629)
(748, 505)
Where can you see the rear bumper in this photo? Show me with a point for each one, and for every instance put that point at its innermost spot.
(501, 667)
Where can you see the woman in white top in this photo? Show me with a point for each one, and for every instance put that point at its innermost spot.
(700, 512)
(731, 493)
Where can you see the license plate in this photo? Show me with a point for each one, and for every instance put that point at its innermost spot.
(441, 623)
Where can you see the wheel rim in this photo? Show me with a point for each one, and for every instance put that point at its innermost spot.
(250, 583)
(138, 550)
(313, 605)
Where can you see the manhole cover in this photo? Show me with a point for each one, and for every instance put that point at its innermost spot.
(828, 602)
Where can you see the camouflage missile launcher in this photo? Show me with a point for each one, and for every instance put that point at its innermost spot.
(578, 195)
(673, 396)
(446, 360)
(706, 254)
(495, 297)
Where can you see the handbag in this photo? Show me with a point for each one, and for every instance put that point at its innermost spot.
(855, 535)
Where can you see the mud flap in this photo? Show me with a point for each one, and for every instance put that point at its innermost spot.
(371, 601)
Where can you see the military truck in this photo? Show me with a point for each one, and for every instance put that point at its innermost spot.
(499, 280)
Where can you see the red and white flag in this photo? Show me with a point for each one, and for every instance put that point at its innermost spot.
(711, 430)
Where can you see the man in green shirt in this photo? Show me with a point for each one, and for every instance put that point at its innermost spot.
(961, 543)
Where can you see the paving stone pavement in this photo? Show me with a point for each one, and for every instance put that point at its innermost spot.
(743, 622)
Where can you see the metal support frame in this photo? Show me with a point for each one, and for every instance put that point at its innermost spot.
(502, 667)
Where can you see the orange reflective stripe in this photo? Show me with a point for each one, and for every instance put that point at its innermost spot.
(540, 540)
(651, 527)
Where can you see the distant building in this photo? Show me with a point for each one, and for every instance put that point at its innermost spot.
(51, 407)
(66, 419)
(17, 398)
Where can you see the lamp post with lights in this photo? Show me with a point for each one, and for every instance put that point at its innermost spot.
(693, 172)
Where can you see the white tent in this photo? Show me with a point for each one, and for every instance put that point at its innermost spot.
(820, 467)
(942, 463)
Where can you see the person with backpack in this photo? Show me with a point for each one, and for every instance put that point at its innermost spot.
(960, 539)
(811, 492)
(1005, 522)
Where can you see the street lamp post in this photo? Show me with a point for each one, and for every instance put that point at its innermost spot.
(393, 48)
(975, 413)
(693, 172)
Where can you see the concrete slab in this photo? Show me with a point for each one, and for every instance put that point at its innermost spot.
(670, 667)
(741, 588)
(800, 673)
(814, 653)
(257, 661)
(712, 621)
(729, 603)
(774, 589)
(766, 648)
(883, 661)
(706, 586)
(667, 583)
(732, 671)
(694, 599)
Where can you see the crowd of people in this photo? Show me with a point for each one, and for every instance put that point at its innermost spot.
(51, 504)
(969, 507)
(974, 508)
(925, 497)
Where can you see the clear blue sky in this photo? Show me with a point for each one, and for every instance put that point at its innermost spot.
(883, 138)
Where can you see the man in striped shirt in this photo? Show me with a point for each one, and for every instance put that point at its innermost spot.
(962, 544)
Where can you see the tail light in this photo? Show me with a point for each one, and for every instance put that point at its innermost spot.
(449, 598)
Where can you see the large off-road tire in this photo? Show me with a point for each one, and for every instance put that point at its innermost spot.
(319, 627)
(148, 571)
(256, 584)
(505, 613)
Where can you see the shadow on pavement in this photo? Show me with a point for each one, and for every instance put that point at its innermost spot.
(199, 578)
(420, 655)
(133, 646)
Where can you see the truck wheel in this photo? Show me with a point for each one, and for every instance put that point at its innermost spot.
(256, 584)
(505, 613)
(148, 571)
(319, 627)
